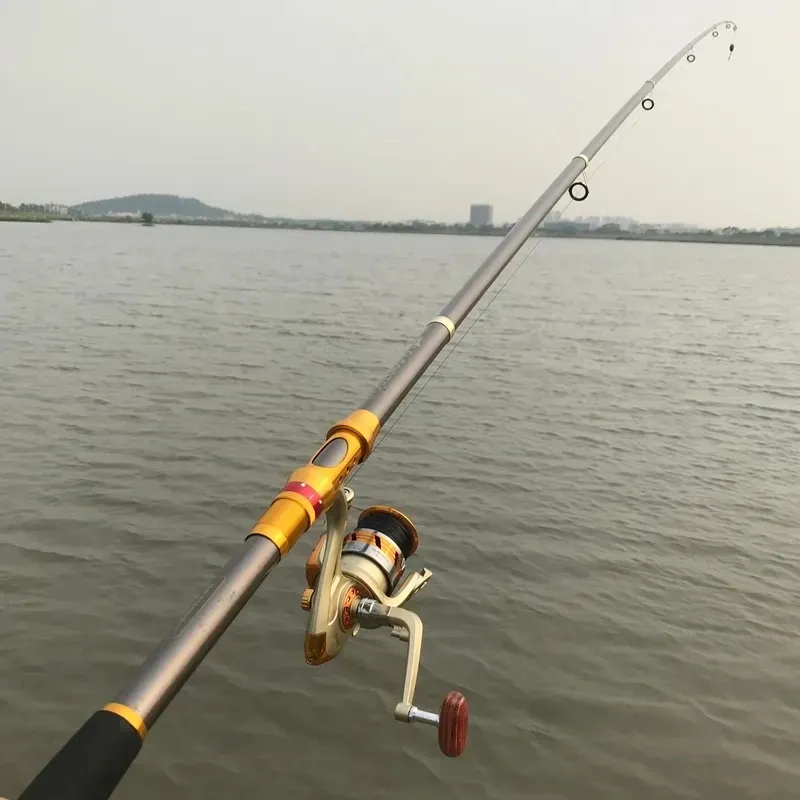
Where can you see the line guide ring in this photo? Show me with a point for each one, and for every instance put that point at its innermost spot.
(579, 197)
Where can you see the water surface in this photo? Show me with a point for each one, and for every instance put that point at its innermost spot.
(605, 478)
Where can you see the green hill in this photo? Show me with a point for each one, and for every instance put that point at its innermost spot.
(160, 205)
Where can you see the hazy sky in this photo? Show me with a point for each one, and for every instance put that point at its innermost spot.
(395, 110)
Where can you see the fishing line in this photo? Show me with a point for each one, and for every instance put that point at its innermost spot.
(646, 105)
(455, 347)
(613, 149)
(477, 319)
(586, 175)
(448, 354)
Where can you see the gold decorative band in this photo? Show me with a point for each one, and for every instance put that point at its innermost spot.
(129, 715)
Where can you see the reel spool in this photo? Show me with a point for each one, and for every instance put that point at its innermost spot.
(356, 581)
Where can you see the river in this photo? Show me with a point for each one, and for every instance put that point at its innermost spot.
(604, 476)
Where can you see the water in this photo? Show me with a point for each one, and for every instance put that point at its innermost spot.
(604, 476)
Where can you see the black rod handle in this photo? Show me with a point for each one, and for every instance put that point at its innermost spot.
(91, 764)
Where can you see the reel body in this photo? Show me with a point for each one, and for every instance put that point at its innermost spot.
(357, 580)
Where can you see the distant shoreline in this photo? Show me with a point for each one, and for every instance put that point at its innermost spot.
(757, 238)
(25, 216)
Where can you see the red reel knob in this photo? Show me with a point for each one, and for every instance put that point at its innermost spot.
(453, 724)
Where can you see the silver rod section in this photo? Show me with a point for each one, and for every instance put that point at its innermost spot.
(390, 393)
(181, 651)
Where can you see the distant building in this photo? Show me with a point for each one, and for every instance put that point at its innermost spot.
(480, 215)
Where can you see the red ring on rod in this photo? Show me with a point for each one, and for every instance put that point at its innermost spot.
(310, 494)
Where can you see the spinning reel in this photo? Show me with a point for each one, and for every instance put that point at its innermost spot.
(355, 582)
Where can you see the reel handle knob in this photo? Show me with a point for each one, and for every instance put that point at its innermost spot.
(453, 724)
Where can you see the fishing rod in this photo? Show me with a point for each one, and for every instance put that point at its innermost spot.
(355, 579)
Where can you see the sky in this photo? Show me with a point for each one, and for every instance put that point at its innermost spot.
(370, 109)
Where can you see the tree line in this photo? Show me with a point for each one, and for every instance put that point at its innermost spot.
(36, 208)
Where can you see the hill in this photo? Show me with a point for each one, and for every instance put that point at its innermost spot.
(160, 205)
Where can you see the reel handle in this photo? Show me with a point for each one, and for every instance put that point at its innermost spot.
(453, 724)
(452, 721)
